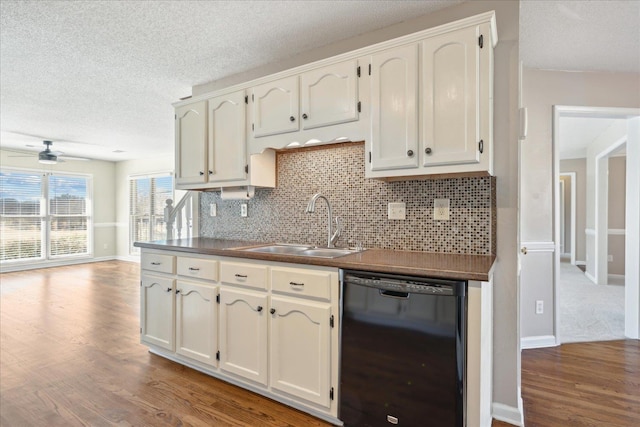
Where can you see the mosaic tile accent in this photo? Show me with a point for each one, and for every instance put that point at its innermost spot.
(278, 215)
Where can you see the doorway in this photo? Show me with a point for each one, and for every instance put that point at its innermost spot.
(589, 307)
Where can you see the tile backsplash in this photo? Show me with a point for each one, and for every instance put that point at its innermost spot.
(278, 215)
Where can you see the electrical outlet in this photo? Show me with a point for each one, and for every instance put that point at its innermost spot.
(213, 209)
(441, 209)
(397, 211)
(243, 210)
(539, 306)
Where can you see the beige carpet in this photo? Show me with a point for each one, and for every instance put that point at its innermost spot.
(589, 312)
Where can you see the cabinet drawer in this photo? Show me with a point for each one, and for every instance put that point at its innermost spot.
(304, 283)
(249, 275)
(206, 269)
(158, 262)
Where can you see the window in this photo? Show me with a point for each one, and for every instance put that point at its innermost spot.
(147, 200)
(44, 216)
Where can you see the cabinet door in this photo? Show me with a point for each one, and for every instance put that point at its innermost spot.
(301, 349)
(275, 107)
(197, 321)
(227, 138)
(394, 103)
(243, 334)
(329, 95)
(157, 309)
(191, 143)
(451, 126)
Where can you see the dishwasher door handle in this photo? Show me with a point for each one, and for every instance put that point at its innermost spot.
(394, 294)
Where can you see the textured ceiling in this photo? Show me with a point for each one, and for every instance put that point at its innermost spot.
(100, 76)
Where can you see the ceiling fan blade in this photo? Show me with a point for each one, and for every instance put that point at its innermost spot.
(80, 159)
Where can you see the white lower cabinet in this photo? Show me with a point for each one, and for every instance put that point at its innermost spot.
(300, 349)
(243, 334)
(269, 327)
(157, 307)
(197, 321)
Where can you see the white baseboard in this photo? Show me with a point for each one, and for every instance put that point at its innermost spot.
(508, 414)
(590, 277)
(540, 341)
(129, 258)
(56, 263)
(581, 262)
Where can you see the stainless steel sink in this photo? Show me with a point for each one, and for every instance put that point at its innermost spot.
(279, 249)
(302, 250)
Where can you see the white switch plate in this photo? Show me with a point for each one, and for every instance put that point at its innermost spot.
(397, 211)
(213, 209)
(441, 209)
(243, 210)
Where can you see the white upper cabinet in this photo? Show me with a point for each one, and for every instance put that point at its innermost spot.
(227, 154)
(275, 107)
(329, 95)
(450, 113)
(447, 102)
(191, 143)
(211, 146)
(394, 103)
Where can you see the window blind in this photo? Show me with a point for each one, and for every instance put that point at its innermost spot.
(147, 200)
(44, 215)
(22, 216)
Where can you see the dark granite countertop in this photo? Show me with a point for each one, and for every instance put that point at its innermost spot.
(425, 264)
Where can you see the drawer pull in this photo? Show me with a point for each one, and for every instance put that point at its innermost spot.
(156, 263)
(194, 269)
(296, 284)
(241, 276)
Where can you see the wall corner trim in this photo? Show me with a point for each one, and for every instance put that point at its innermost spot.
(509, 414)
(540, 341)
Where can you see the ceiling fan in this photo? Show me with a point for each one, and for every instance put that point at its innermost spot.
(50, 157)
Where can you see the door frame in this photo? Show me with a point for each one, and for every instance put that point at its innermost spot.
(632, 287)
(572, 208)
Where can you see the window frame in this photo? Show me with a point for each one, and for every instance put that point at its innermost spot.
(45, 217)
(152, 216)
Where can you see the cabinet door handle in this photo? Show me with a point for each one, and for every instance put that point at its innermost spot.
(427, 150)
(169, 289)
(259, 309)
(156, 263)
(177, 291)
(410, 153)
(293, 119)
(201, 173)
(296, 284)
(304, 116)
(194, 269)
(210, 172)
(272, 311)
(241, 276)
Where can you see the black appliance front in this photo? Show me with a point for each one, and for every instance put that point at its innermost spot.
(403, 352)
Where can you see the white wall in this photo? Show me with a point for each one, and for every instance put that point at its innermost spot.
(542, 90)
(123, 170)
(579, 167)
(104, 236)
(506, 379)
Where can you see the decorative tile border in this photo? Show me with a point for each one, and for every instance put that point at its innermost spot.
(278, 215)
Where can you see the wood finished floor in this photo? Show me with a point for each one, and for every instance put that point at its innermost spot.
(70, 356)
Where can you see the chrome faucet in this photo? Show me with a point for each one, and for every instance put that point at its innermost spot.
(331, 238)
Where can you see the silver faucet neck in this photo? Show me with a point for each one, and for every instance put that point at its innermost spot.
(311, 208)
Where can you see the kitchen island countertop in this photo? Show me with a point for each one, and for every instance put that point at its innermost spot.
(424, 264)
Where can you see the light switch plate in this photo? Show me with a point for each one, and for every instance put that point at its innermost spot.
(441, 209)
(213, 209)
(396, 210)
(243, 210)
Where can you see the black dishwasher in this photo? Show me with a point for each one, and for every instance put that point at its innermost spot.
(402, 357)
